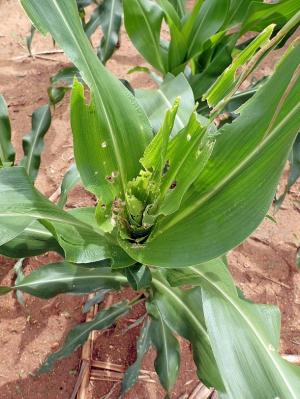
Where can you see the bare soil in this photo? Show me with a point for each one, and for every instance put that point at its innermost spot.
(263, 266)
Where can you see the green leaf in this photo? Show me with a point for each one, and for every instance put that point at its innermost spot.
(70, 180)
(143, 19)
(7, 153)
(29, 39)
(182, 312)
(167, 359)
(108, 15)
(205, 76)
(95, 300)
(33, 142)
(111, 24)
(80, 333)
(261, 14)
(187, 154)
(34, 240)
(156, 102)
(5, 290)
(154, 157)
(250, 336)
(118, 113)
(95, 164)
(138, 276)
(143, 344)
(89, 243)
(156, 78)
(56, 94)
(65, 76)
(208, 21)
(178, 46)
(21, 204)
(179, 6)
(57, 278)
(235, 189)
(227, 80)
(294, 172)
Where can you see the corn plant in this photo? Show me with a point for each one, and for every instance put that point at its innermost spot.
(202, 41)
(169, 207)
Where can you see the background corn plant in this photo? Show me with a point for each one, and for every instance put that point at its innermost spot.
(203, 42)
(169, 207)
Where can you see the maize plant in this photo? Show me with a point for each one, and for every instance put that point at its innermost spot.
(169, 206)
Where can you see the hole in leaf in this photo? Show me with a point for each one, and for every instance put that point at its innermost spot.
(166, 167)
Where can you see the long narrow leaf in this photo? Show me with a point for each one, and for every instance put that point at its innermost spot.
(117, 111)
(143, 19)
(244, 336)
(33, 143)
(167, 350)
(111, 24)
(57, 278)
(183, 313)
(80, 334)
(143, 344)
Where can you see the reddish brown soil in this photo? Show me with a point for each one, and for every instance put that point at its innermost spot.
(264, 266)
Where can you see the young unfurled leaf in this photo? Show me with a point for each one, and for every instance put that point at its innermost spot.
(187, 155)
(80, 333)
(33, 143)
(227, 80)
(7, 153)
(239, 180)
(143, 344)
(154, 157)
